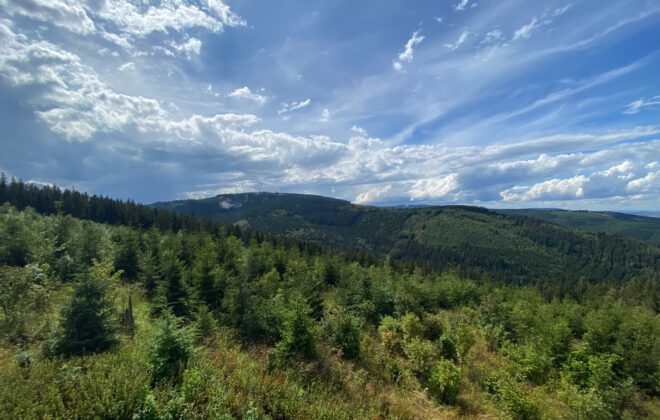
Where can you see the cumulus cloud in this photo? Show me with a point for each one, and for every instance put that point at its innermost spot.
(247, 94)
(434, 188)
(294, 106)
(406, 56)
(374, 195)
(641, 104)
(68, 14)
(188, 48)
(139, 20)
(121, 22)
(623, 179)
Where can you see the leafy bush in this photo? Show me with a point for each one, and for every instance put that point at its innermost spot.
(444, 381)
(344, 331)
(509, 396)
(420, 354)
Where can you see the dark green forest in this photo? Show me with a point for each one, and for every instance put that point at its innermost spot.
(112, 309)
(643, 228)
(477, 241)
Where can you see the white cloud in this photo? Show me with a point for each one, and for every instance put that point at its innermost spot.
(294, 106)
(434, 188)
(127, 67)
(141, 21)
(246, 93)
(325, 115)
(624, 179)
(641, 104)
(460, 41)
(68, 14)
(360, 131)
(492, 36)
(526, 30)
(119, 40)
(406, 56)
(439, 19)
(554, 189)
(190, 47)
(374, 195)
(462, 5)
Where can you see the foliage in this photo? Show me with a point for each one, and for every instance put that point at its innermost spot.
(445, 381)
(344, 331)
(170, 350)
(415, 343)
(87, 321)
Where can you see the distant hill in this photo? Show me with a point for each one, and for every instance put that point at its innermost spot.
(512, 247)
(633, 226)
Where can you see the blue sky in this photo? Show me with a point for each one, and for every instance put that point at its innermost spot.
(490, 102)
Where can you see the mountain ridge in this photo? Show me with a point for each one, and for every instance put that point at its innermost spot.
(509, 246)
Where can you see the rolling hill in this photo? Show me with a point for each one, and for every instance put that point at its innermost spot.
(512, 247)
(633, 226)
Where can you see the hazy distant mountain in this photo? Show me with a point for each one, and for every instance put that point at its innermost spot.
(509, 245)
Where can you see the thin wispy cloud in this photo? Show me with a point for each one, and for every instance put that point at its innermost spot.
(406, 56)
(294, 106)
(641, 104)
(460, 41)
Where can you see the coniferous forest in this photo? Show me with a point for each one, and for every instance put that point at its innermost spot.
(111, 309)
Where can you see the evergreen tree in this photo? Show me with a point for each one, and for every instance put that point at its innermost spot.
(170, 350)
(172, 290)
(205, 277)
(149, 262)
(126, 254)
(87, 320)
(298, 333)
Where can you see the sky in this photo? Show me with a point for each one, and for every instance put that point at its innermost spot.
(497, 103)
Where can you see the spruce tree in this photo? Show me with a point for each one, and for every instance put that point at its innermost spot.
(172, 290)
(86, 324)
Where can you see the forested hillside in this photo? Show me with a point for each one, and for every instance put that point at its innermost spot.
(141, 318)
(633, 226)
(513, 247)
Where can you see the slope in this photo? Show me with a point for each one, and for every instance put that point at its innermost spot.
(508, 247)
(633, 226)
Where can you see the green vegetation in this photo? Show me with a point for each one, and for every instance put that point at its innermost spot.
(219, 323)
(642, 228)
(512, 248)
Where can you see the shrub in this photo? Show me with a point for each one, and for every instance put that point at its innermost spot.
(420, 354)
(344, 332)
(444, 381)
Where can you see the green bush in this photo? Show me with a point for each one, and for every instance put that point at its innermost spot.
(444, 381)
(344, 331)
